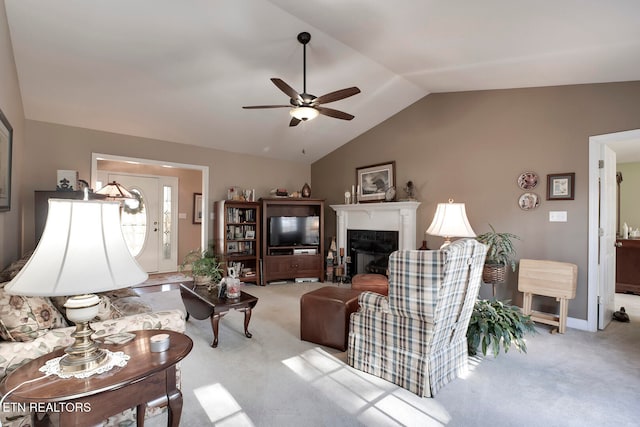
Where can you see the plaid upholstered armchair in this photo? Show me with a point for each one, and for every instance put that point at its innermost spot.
(416, 337)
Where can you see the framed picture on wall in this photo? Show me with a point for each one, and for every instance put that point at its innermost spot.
(560, 186)
(373, 181)
(197, 208)
(6, 139)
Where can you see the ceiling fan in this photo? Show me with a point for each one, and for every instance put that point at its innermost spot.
(305, 106)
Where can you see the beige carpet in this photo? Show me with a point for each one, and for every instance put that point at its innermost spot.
(275, 379)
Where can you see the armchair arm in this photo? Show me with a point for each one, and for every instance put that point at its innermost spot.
(373, 301)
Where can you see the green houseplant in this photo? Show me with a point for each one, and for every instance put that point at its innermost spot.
(205, 266)
(500, 254)
(496, 323)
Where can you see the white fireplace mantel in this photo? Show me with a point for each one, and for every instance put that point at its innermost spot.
(388, 216)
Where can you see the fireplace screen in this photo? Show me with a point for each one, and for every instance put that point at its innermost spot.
(369, 250)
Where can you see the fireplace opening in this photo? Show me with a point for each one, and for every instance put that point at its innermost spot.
(369, 250)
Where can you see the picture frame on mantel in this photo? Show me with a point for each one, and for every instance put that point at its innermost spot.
(6, 140)
(561, 186)
(373, 181)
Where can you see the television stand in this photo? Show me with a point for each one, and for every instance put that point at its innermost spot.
(291, 262)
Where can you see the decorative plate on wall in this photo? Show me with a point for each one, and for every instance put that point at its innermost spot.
(529, 201)
(528, 180)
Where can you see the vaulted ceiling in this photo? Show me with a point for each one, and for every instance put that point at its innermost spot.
(182, 70)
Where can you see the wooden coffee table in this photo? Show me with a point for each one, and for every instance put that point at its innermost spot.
(202, 304)
(148, 379)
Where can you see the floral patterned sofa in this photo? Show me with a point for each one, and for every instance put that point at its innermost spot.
(34, 326)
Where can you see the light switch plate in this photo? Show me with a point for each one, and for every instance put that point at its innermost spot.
(558, 216)
(182, 215)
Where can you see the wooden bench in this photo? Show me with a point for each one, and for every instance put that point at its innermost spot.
(548, 278)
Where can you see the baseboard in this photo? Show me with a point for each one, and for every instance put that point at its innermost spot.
(574, 323)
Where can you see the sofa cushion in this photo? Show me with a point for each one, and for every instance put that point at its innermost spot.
(10, 272)
(26, 318)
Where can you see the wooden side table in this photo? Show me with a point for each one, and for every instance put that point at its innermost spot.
(148, 379)
(202, 304)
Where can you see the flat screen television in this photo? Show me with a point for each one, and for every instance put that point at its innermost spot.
(294, 230)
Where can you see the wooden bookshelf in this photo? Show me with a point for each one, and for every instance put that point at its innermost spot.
(237, 236)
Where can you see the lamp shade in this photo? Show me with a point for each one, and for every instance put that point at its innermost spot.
(451, 220)
(304, 113)
(115, 191)
(82, 250)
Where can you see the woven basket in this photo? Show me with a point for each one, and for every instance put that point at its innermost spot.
(494, 273)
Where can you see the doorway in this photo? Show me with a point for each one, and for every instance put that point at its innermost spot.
(601, 290)
(149, 221)
(199, 182)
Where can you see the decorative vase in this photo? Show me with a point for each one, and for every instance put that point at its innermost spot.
(306, 190)
(233, 287)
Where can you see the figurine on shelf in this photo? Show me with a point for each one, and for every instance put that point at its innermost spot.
(306, 191)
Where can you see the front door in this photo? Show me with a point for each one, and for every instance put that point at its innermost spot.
(141, 219)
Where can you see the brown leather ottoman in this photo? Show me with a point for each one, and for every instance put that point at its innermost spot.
(324, 315)
(371, 282)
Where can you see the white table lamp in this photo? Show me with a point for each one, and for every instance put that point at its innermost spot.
(81, 251)
(450, 221)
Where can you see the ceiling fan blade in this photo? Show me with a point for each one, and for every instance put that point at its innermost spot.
(291, 92)
(337, 95)
(294, 121)
(334, 113)
(266, 106)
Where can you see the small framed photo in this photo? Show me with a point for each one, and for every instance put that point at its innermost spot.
(250, 234)
(197, 208)
(561, 186)
(373, 181)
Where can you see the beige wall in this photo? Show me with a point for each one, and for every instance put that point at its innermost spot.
(50, 147)
(11, 106)
(189, 182)
(630, 194)
(472, 146)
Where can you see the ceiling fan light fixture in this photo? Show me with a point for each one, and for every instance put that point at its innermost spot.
(304, 113)
(304, 106)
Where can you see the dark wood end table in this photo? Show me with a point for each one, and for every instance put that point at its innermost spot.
(203, 303)
(148, 379)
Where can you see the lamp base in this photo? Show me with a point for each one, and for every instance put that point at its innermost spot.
(447, 242)
(84, 354)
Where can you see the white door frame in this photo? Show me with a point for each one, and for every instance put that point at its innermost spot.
(594, 268)
(204, 231)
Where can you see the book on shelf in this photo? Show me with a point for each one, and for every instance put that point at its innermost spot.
(240, 215)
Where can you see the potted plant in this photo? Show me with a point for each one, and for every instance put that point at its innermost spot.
(500, 254)
(205, 266)
(496, 323)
